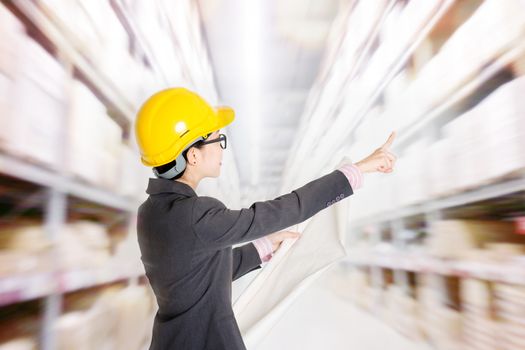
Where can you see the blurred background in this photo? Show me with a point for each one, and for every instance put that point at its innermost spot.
(436, 249)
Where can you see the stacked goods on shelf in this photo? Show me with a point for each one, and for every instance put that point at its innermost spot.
(80, 246)
(501, 131)
(509, 303)
(133, 175)
(161, 49)
(10, 30)
(482, 144)
(126, 255)
(83, 244)
(357, 33)
(398, 34)
(96, 32)
(403, 312)
(488, 139)
(32, 122)
(92, 32)
(136, 310)
(133, 79)
(118, 318)
(441, 170)
(19, 344)
(24, 248)
(358, 30)
(89, 245)
(19, 333)
(394, 89)
(411, 175)
(94, 139)
(441, 324)
(501, 251)
(58, 108)
(470, 140)
(177, 45)
(463, 239)
(361, 290)
(498, 24)
(479, 146)
(5, 83)
(456, 15)
(480, 329)
(451, 312)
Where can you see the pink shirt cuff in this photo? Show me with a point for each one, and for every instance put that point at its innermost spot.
(264, 248)
(353, 174)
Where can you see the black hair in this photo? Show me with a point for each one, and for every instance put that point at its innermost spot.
(165, 167)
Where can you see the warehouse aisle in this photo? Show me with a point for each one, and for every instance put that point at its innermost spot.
(436, 247)
(322, 318)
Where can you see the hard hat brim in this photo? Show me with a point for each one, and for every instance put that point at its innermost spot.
(225, 114)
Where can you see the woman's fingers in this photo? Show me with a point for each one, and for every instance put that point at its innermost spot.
(289, 234)
(390, 155)
(388, 142)
(278, 237)
(384, 160)
(282, 235)
(387, 161)
(386, 164)
(392, 158)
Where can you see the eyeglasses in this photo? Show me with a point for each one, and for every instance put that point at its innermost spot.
(221, 139)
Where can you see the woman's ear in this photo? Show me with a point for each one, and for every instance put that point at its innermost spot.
(192, 155)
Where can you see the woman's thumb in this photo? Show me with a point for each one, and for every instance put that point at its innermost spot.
(291, 234)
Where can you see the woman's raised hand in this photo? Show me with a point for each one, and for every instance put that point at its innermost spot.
(381, 159)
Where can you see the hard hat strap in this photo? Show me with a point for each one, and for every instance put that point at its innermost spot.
(180, 164)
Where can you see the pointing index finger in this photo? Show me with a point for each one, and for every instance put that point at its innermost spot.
(388, 142)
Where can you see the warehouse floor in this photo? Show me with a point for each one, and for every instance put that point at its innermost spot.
(322, 318)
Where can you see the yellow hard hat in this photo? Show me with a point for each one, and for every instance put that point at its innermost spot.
(172, 120)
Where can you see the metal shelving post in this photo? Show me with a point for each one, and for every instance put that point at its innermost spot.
(376, 271)
(55, 216)
(400, 276)
(438, 281)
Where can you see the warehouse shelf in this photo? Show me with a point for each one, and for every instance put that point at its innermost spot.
(327, 72)
(19, 288)
(333, 133)
(27, 171)
(425, 118)
(135, 33)
(70, 281)
(483, 192)
(36, 15)
(511, 271)
(47, 197)
(406, 260)
(402, 60)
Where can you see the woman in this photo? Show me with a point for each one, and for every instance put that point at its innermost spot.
(186, 240)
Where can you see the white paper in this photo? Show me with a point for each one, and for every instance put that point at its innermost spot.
(295, 265)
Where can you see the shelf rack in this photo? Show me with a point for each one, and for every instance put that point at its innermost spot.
(31, 13)
(51, 286)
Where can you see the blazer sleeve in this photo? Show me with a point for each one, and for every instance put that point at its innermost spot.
(218, 227)
(245, 259)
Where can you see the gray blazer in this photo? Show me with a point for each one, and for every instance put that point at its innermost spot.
(186, 248)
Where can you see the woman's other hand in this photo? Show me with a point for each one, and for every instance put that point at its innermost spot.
(381, 159)
(278, 237)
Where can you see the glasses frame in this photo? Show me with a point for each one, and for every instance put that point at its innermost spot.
(221, 138)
